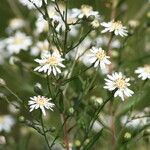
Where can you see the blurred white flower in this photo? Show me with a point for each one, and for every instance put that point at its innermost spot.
(87, 11)
(144, 72)
(98, 57)
(41, 102)
(18, 42)
(97, 126)
(57, 22)
(133, 23)
(40, 47)
(119, 82)
(136, 120)
(50, 63)
(30, 5)
(115, 27)
(16, 23)
(2, 140)
(6, 123)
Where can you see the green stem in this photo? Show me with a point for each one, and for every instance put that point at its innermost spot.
(44, 133)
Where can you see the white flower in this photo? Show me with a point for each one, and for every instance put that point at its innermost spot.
(16, 23)
(144, 72)
(87, 11)
(6, 123)
(115, 27)
(40, 47)
(99, 57)
(41, 102)
(30, 5)
(50, 63)
(119, 82)
(18, 42)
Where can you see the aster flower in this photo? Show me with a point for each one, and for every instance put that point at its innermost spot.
(87, 11)
(118, 82)
(144, 72)
(50, 63)
(115, 27)
(18, 42)
(99, 57)
(41, 102)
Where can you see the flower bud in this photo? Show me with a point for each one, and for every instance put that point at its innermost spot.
(2, 140)
(22, 119)
(2, 82)
(77, 143)
(38, 89)
(127, 135)
(91, 18)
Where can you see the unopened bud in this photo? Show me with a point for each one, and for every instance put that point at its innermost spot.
(2, 140)
(127, 135)
(22, 119)
(77, 143)
(38, 89)
(91, 18)
(2, 82)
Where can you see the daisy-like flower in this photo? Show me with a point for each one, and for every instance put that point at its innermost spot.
(99, 57)
(144, 72)
(41, 102)
(50, 63)
(118, 82)
(115, 27)
(18, 42)
(87, 11)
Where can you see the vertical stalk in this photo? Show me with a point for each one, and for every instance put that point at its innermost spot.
(66, 139)
(44, 132)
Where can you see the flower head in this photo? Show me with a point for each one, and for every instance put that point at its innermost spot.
(118, 82)
(115, 27)
(99, 57)
(144, 72)
(87, 11)
(18, 42)
(41, 102)
(50, 63)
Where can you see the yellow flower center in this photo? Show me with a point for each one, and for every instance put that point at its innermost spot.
(147, 69)
(101, 55)
(52, 60)
(86, 9)
(41, 101)
(18, 41)
(120, 83)
(116, 25)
